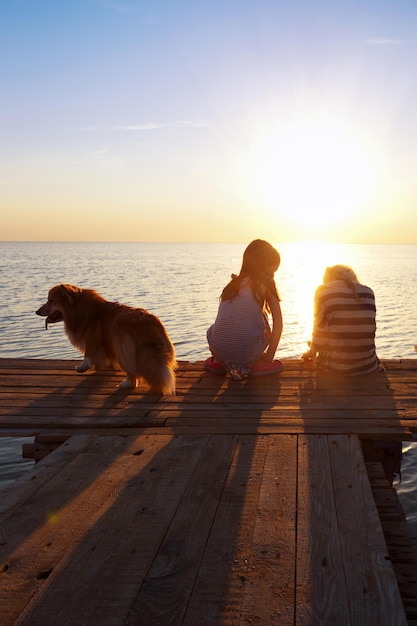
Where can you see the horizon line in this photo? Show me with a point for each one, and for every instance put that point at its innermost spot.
(309, 242)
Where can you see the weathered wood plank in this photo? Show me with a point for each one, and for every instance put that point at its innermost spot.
(270, 578)
(320, 424)
(37, 537)
(219, 589)
(224, 395)
(373, 593)
(164, 594)
(12, 400)
(227, 428)
(108, 566)
(380, 429)
(16, 495)
(248, 410)
(287, 393)
(230, 427)
(321, 592)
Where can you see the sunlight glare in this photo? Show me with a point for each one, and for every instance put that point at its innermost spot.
(315, 170)
(300, 273)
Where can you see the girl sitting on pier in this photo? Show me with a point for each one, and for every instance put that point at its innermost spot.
(344, 343)
(344, 324)
(241, 339)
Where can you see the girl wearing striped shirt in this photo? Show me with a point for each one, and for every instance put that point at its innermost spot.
(344, 324)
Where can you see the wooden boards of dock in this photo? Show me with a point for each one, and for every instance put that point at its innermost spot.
(50, 397)
(228, 504)
(197, 529)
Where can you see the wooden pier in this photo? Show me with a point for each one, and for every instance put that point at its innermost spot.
(232, 503)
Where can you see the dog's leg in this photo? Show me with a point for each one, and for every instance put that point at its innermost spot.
(84, 366)
(128, 383)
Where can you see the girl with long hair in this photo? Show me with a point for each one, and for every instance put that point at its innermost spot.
(241, 339)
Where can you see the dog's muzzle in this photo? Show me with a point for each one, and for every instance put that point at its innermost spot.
(51, 319)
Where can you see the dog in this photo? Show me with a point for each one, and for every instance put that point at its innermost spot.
(113, 334)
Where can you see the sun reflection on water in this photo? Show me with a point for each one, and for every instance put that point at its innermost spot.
(301, 271)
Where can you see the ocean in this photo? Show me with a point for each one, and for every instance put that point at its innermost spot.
(181, 283)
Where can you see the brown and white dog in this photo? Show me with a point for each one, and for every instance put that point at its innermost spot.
(113, 334)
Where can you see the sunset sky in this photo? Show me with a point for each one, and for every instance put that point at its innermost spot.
(208, 120)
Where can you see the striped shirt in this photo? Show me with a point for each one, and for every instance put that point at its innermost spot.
(241, 331)
(344, 328)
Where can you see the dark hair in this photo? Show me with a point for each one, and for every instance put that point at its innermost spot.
(258, 260)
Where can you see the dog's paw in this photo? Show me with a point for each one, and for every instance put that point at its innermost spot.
(84, 366)
(128, 383)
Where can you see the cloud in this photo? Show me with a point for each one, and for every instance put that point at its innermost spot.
(383, 41)
(158, 126)
(149, 126)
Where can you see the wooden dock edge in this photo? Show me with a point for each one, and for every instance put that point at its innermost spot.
(401, 550)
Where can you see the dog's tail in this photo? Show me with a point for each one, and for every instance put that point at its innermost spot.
(161, 362)
(144, 350)
(166, 380)
(159, 371)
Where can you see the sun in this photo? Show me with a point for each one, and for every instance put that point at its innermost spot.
(315, 170)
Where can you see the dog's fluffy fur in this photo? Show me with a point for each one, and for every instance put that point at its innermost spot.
(113, 334)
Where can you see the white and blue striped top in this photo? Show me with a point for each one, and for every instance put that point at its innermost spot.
(241, 331)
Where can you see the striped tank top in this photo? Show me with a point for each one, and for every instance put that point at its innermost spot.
(240, 332)
(344, 329)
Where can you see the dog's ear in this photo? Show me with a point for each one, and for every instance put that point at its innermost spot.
(68, 292)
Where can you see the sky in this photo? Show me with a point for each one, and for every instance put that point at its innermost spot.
(208, 120)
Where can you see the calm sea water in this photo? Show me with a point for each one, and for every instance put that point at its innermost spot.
(181, 284)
